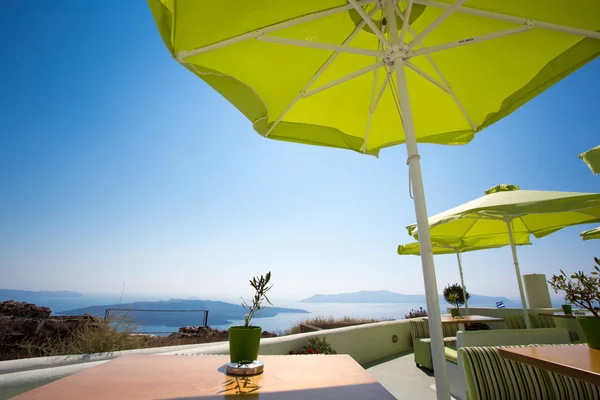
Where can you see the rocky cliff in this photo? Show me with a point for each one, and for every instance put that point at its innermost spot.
(23, 326)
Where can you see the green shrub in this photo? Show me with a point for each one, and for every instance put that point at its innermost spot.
(454, 295)
(421, 312)
(316, 346)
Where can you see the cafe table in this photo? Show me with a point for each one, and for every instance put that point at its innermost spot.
(579, 362)
(290, 377)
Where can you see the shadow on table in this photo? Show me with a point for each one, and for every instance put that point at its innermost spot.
(241, 385)
(367, 391)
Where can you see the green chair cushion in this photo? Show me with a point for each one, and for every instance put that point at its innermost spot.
(451, 355)
(448, 342)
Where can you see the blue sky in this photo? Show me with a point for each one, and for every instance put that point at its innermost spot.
(119, 166)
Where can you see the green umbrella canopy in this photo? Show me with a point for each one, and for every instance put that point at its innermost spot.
(458, 248)
(414, 249)
(591, 234)
(338, 73)
(592, 159)
(509, 213)
(282, 66)
(536, 212)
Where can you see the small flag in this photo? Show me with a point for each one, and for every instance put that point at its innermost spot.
(499, 304)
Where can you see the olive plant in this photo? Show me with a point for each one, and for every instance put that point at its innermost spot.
(580, 289)
(261, 287)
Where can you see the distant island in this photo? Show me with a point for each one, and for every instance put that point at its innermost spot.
(219, 312)
(386, 296)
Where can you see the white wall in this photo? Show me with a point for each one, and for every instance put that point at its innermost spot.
(365, 343)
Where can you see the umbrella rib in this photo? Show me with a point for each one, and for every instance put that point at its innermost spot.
(319, 72)
(442, 77)
(343, 79)
(471, 40)
(405, 17)
(371, 108)
(385, 83)
(182, 55)
(471, 227)
(512, 18)
(357, 6)
(447, 13)
(427, 76)
(321, 46)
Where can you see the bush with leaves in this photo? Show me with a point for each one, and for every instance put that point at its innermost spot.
(580, 289)
(260, 285)
(421, 312)
(454, 295)
(316, 346)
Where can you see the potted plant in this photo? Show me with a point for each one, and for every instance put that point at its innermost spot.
(245, 340)
(584, 291)
(567, 308)
(453, 294)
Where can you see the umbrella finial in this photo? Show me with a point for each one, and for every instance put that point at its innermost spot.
(503, 187)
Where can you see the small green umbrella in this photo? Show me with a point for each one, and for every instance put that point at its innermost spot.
(591, 234)
(592, 159)
(364, 75)
(506, 212)
(414, 249)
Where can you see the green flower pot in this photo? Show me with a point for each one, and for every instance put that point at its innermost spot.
(455, 312)
(591, 330)
(567, 309)
(243, 343)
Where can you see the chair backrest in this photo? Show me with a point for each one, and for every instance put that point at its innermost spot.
(449, 330)
(515, 322)
(537, 321)
(512, 337)
(541, 321)
(419, 328)
(490, 376)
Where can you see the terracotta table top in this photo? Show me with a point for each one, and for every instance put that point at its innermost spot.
(579, 362)
(469, 319)
(203, 377)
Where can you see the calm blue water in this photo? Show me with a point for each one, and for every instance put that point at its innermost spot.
(278, 323)
(283, 322)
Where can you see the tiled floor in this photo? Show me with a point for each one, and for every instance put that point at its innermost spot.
(401, 377)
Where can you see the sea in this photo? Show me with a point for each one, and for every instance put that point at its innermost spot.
(283, 322)
(277, 324)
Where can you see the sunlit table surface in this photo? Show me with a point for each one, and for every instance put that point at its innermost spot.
(204, 377)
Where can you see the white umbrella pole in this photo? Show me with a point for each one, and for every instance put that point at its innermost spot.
(518, 271)
(462, 281)
(431, 291)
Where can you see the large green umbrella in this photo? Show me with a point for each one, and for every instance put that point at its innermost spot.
(338, 73)
(506, 213)
(592, 159)
(591, 234)
(414, 249)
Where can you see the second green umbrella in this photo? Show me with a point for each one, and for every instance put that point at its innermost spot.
(414, 249)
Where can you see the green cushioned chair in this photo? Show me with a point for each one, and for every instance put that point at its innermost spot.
(491, 377)
(515, 322)
(422, 342)
(537, 321)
